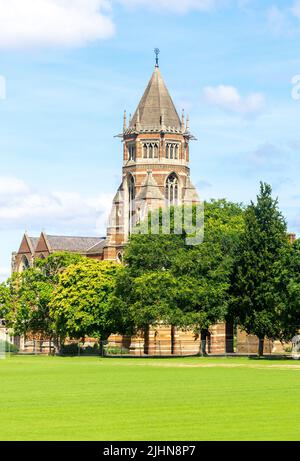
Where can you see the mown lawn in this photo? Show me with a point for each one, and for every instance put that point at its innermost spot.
(55, 398)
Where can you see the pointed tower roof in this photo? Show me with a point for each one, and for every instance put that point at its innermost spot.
(156, 108)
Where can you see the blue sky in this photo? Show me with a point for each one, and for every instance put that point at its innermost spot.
(71, 67)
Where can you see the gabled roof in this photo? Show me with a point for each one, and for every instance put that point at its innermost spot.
(156, 107)
(28, 244)
(149, 189)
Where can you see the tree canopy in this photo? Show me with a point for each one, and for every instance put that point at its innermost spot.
(168, 281)
(258, 299)
(82, 303)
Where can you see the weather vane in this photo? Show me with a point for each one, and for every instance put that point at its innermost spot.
(156, 51)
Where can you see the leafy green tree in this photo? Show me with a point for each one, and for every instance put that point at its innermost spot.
(258, 299)
(56, 263)
(4, 299)
(288, 285)
(27, 305)
(167, 281)
(25, 297)
(83, 302)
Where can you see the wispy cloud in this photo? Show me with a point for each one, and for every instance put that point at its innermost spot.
(269, 156)
(285, 20)
(23, 207)
(174, 6)
(229, 99)
(44, 23)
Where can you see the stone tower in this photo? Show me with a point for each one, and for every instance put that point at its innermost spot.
(155, 163)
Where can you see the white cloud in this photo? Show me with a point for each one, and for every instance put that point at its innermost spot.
(229, 99)
(21, 207)
(4, 273)
(175, 6)
(39, 23)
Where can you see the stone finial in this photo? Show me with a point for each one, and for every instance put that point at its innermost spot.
(124, 121)
(187, 127)
(182, 120)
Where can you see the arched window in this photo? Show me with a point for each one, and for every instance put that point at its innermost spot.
(131, 196)
(150, 149)
(24, 263)
(171, 191)
(145, 150)
(131, 152)
(172, 150)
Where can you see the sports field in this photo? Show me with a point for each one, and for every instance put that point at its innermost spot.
(54, 398)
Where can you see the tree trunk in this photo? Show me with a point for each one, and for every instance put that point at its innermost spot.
(172, 340)
(229, 331)
(261, 346)
(204, 333)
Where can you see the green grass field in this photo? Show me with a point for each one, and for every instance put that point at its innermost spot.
(54, 398)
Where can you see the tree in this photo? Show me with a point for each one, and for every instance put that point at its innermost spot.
(83, 302)
(167, 281)
(258, 301)
(288, 284)
(25, 297)
(4, 300)
(56, 263)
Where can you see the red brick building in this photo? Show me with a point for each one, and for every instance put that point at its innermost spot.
(155, 173)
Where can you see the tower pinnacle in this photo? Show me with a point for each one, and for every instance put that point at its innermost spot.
(156, 51)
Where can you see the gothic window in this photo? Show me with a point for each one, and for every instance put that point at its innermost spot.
(185, 151)
(150, 149)
(131, 152)
(25, 263)
(172, 150)
(131, 195)
(171, 191)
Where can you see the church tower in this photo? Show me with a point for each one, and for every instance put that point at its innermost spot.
(155, 163)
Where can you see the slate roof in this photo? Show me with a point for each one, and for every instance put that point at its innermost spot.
(72, 244)
(155, 102)
(98, 248)
(33, 241)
